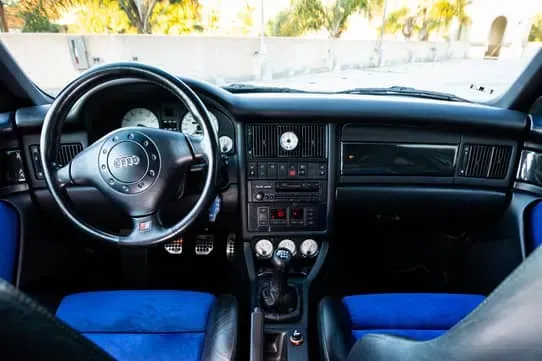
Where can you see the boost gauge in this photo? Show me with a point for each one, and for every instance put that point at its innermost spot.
(309, 248)
(263, 248)
(226, 144)
(289, 245)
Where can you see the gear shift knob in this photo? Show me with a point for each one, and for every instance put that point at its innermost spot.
(281, 259)
(278, 284)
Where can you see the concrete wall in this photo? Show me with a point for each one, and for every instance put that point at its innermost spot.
(47, 60)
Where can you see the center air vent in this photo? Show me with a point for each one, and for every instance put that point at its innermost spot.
(263, 141)
(485, 161)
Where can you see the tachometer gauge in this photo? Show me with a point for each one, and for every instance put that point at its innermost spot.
(226, 144)
(140, 117)
(191, 126)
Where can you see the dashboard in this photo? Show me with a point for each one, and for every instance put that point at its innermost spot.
(296, 165)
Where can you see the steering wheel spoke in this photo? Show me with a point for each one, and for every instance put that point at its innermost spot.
(145, 230)
(201, 148)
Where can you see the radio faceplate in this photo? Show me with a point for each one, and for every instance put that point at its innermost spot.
(287, 191)
(281, 205)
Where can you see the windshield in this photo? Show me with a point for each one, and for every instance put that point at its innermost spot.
(473, 49)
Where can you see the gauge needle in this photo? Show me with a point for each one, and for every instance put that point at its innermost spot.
(142, 125)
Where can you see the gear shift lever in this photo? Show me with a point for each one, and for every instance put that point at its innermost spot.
(274, 295)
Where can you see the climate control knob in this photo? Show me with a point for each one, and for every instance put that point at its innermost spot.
(309, 248)
(259, 196)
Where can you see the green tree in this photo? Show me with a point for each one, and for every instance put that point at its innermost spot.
(99, 16)
(177, 18)
(246, 18)
(306, 15)
(425, 21)
(35, 21)
(396, 20)
(536, 29)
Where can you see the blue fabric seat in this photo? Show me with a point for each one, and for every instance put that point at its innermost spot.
(420, 316)
(141, 325)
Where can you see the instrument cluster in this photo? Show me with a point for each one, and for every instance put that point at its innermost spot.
(171, 117)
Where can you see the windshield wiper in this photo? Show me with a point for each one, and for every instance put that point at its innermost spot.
(405, 91)
(252, 88)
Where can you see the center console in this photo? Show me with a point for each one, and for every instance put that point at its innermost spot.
(286, 206)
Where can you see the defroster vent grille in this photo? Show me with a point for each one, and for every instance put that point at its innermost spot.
(263, 141)
(485, 161)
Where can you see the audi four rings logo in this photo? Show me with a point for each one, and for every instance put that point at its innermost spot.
(125, 162)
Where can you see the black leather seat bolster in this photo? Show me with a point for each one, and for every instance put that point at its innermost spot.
(30, 332)
(334, 330)
(221, 334)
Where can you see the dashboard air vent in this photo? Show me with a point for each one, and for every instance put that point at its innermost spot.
(263, 140)
(485, 161)
(67, 152)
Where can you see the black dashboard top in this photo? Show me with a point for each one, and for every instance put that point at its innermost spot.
(393, 110)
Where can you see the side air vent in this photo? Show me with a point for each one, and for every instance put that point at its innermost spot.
(66, 153)
(263, 141)
(485, 161)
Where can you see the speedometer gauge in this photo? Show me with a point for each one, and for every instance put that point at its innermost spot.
(191, 126)
(140, 117)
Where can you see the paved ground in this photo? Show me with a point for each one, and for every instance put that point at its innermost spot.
(451, 76)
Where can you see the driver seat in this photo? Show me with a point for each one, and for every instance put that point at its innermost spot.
(119, 325)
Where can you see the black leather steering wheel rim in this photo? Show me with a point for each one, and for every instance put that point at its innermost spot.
(147, 228)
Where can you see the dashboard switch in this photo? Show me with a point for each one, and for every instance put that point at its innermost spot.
(252, 172)
(292, 171)
(263, 216)
(262, 170)
(282, 170)
(272, 170)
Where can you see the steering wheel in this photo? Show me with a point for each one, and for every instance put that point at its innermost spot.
(135, 167)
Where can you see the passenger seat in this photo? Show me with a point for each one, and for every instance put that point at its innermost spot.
(418, 316)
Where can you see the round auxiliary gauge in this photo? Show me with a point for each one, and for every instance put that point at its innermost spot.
(308, 248)
(226, 144)
(289, 140)
(263, 248)
(289, 245)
